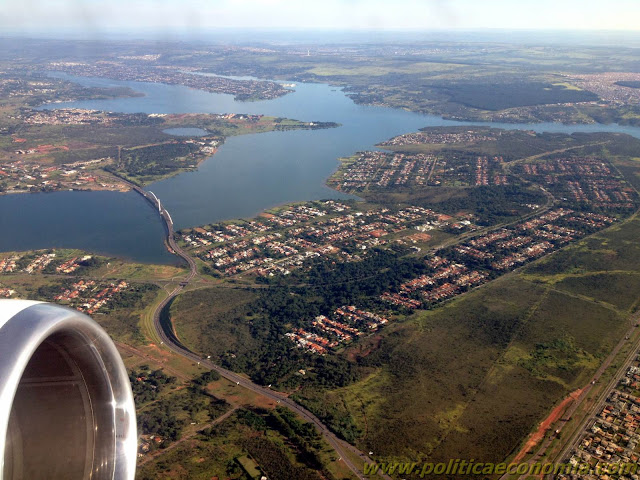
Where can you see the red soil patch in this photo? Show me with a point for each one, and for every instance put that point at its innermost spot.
(364, 349)
(159, 354)
(19, 140)
(546, 424)
(419, 237)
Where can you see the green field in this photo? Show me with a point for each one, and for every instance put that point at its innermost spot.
(175, 399)
(249, 444)
(225, 331)
(472, 378)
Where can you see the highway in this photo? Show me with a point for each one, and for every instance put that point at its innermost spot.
(573, 442)
(168, 338)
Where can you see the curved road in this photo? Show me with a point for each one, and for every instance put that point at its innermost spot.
(173, 344)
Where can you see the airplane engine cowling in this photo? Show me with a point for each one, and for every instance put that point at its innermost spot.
(66, 406)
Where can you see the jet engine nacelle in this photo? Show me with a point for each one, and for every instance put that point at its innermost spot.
(66, 407)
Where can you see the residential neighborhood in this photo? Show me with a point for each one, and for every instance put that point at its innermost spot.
(277, 243)
(86, 295)
(468, 264)
(440, 138)
(22, 177)
(90, 296)
(322, 333)
(613, 435)
(580, 179)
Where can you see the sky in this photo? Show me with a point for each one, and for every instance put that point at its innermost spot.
(94, 17)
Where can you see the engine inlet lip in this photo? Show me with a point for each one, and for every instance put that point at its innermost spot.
(24, 327)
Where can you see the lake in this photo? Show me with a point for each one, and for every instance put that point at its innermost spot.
(247, 175)
(115, 223)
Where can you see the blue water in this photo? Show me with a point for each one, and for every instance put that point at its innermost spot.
(248, 174)
(102, 222)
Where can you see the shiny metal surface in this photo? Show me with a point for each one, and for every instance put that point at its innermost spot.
(66, 407)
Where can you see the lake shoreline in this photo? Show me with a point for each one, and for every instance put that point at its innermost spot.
(249, 174)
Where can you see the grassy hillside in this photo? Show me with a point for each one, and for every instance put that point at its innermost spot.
(223, 331)
(472, 378)
(469, 379)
